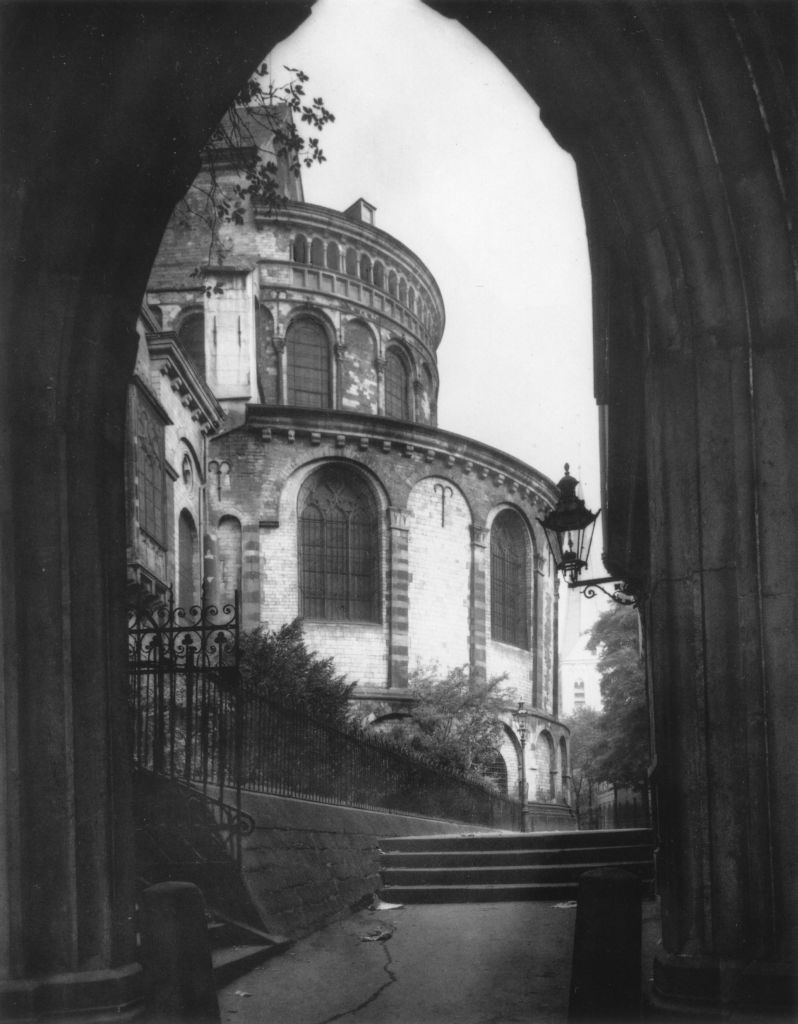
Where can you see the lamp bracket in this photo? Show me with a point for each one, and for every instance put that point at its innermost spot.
(620, 594)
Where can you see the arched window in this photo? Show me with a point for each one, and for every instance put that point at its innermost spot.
(508, 580)
(187, 559)
(317, 252)
(365, 268)
(228, 557)
(333, 256)
(351, 262)
(308, 364)
(300, 249)
(403, 292)
(545, 767)
(338, 547)
(191, 338)
(379, 275)
(493, 766)
(150, 472)
(411, 300)
(392, 283)
(397, 389)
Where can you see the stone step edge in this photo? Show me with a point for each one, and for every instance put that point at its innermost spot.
(230, 962)
(630, 854)
(543, 868)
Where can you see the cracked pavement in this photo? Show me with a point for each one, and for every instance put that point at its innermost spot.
(478, 963)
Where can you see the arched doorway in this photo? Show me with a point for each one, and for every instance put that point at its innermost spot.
(686, 182)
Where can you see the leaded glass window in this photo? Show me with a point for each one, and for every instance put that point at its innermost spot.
(150, 473)
(308, 365)
(397, 389)
(187, 560)
(508, 580)
(338, 548)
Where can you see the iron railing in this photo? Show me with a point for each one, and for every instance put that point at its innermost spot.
(287, 753)
(185, 702)
(195, 723)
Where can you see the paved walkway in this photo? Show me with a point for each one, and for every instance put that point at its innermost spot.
(478, 963)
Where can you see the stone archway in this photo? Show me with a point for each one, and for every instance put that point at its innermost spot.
(687, 182)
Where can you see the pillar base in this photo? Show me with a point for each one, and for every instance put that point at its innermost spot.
(709, 986)
(84, 997)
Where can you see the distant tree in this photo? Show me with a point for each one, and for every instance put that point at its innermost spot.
(624, 751)
(453, 719)
(278, 664)
(587, 742)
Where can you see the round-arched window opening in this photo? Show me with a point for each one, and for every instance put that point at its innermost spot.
(187, 472)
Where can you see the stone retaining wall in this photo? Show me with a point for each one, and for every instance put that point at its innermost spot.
(307, 864)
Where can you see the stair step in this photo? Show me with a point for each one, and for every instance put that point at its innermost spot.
(519, 841)
(500, 875)
(510, 866)
(478, 893)
(526, 858)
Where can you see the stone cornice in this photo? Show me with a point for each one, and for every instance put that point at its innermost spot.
(441, 450)
(167, 356)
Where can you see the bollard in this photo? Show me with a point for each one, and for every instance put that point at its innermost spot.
(176, 955)
(606, 976)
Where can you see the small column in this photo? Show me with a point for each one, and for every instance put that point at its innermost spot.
(338, 384)
(282, 371)
(379, 366)
(398, 599)
(479, 604)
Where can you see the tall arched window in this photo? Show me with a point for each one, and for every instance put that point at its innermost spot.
(187, 558)
(545, 767)
(351, 262)
(508, 580)
(379, 275)
(365, 268)
(191, 338)
(333, 257)
(317, 252)
(397, 386)
(308, 364)
(338, 547)
(300, 249)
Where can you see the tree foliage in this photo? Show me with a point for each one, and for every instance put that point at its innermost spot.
(278, 664)
(453, 719)
(259, 142)
(625, 748)
(612, 745)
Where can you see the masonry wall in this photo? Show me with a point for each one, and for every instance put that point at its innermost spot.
(440, 568)
(306, 864)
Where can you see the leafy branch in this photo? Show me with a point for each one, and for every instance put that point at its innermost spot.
(252, 154)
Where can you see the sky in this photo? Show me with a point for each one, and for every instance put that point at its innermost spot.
(434, 131)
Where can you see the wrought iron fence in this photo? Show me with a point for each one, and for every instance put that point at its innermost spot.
(287, 753)
(196, 723)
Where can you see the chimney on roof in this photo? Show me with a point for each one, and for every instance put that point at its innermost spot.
(361, 211)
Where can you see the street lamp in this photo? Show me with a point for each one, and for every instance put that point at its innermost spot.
(569, 529)
(520, 718)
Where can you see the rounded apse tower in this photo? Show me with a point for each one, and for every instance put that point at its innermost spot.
(332, 494)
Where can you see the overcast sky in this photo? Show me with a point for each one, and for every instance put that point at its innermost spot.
(436, 133)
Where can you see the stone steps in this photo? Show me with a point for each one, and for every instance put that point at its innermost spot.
(487, 868)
